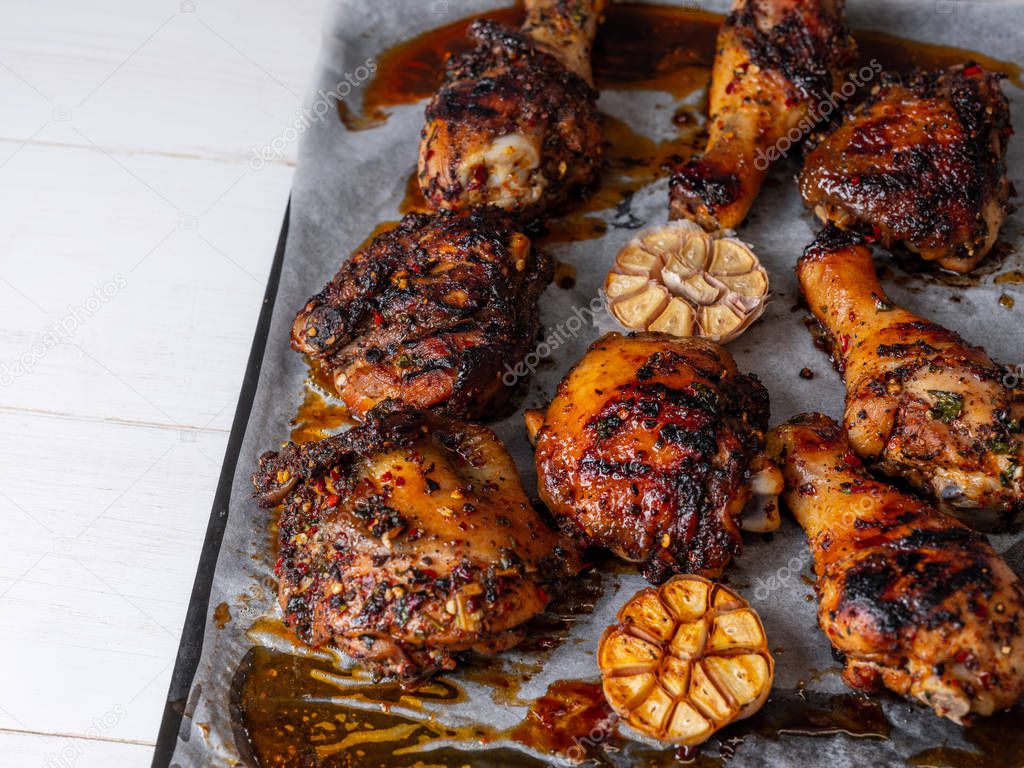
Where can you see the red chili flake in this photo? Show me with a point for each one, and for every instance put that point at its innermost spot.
(961, 656)
(855, 180)
(387, 476)
(732, 85)
(844, 342)
(311, 530)
(332, 499)
(972, 70)
(399, 481)
(542, 594)
(378, 318)
(279, 565)
(851, 460)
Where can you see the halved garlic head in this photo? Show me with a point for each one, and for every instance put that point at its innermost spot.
(685, 660)
(678, 279)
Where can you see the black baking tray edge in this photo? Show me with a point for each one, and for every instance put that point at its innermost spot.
(190, 647)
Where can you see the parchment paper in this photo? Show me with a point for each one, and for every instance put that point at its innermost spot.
(346, 183)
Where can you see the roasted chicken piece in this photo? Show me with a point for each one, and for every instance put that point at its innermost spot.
(776, 63)
(921, 402)
(652, 448)
(915, 600)
(430, 313)
(921, 162)
(516, 124)
(408, 539)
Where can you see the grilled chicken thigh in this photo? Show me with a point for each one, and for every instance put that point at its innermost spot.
(915, 600)
(921, 163)
(516, 124)
(776, 61)
(409, 539)
(430, 313)
(651, 448)
(921, 402)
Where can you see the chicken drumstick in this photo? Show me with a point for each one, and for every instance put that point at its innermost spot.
(915, 600)
(920, 401)
(516, 124)
(775, 62)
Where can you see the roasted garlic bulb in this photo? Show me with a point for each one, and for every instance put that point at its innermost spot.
(685, 660)
(680, 280)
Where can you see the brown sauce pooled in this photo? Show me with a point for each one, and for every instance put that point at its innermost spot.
(996, 741)
(902, 55)
(1016, 277)
(566, 719)
(565, 275)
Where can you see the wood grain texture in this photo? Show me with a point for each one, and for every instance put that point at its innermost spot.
(134, 248)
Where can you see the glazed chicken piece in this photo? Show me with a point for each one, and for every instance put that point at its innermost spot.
(921, 402)
(651, 448)
(920, 163)
(775, 60)
(407, 540)
(915, 600)
(516, 124)
(430, 313)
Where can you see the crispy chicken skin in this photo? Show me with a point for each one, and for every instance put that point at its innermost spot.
(409, 539)
(775, 61)
(915, 600)
(650, 449)
(921, 162)
(430, 313)
(516, 124)
(921, 402)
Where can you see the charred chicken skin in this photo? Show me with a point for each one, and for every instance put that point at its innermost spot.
(921, 162)
(429, 313)
(516, 124)
(407, 540)
(776, 61)
(651, 448)
(915, 600)
(921, 402)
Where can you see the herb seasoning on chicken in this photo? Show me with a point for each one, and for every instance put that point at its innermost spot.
(652, 447)
(407, 540)
(429, 313)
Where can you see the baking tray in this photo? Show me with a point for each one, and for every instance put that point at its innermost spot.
(328, 216)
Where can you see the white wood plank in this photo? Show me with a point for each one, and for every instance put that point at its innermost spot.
(124, 163)
(179, 293)
(108, 520)
(26, 750)
(33, 751)
(212, 77)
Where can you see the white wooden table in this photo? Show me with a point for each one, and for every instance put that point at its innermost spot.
(135, 239)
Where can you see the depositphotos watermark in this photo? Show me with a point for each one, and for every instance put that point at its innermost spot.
(1014, 376)
(821, 109)
(324, 104)
(569, 329)
(64, 329)
(76, 746)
